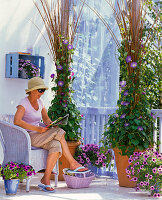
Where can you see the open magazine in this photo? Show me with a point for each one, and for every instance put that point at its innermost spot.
(60, 120)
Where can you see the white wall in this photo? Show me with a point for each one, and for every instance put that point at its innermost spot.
(17, 34)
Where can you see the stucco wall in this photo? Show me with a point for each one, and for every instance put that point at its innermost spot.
(17, 34)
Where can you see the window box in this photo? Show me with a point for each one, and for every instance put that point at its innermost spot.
(13, 65)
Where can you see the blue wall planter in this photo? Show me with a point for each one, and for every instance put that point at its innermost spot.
(12, 64)
(11, 186)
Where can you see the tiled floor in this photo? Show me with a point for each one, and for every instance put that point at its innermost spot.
(100, 189)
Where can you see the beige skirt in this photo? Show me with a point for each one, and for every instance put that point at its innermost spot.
(49, 140)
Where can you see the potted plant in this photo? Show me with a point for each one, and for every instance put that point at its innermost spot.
(61, 25)
(131, 127)
(145, 170)
(93, 157)
(27, 69)
(12, 172)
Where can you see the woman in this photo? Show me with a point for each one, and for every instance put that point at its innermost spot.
(28, 115)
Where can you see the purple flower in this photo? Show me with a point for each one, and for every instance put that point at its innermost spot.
(158, 195)
(17, 174)
(70, 69)
(122, 116)
(159, 169)
(29, 173)
(153, 116)
(126, 103)
(128, 59)
(153, 159)
(141, 167)
(146, 156)
(103, 165)
(70, 46)
(152, 188)
(141, 183)
(133, 64)
(146, 175)
(127, 171)
(154, 170)
(156, 153)
(135, 179)
(52, 76)
(126, 93)
(140, 128)
(130, 161)
(137, 188)
(126, 124)
(128, 176)
(150, 177)
(145, 163)
(97, 162)
(143, 92)
(154, 195)
(60, 83)
(122, 83)
(116, 115)
(65, 42)
(59, 67)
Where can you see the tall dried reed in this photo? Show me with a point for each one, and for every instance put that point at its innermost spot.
(59, 20)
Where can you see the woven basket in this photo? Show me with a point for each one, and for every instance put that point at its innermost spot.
(78, 180)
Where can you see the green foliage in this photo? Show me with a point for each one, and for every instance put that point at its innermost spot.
(132, 126)
(13, 170)
(63, 102)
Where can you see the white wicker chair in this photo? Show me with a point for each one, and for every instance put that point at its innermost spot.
(17, 147)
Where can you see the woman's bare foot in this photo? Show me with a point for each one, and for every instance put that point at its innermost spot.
(46, 181)
(75, 165)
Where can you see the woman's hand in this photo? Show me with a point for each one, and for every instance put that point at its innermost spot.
(41, 129)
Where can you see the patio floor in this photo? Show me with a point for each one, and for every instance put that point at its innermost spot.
(102, 188)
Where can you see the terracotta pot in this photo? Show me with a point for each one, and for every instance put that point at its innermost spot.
(122, 164)
(63, 163)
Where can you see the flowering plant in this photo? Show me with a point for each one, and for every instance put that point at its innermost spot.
(146, 170)
(63, 102)
(30, 69)
(13, 170)
(94, 155)
(132, 123)
(61, 49)
(131, 127)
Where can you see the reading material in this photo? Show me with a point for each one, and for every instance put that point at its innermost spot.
(60, 120)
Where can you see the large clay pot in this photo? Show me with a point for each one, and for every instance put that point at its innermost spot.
(122, 164)
(63, 163)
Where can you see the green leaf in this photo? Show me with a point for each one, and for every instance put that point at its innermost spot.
(135, 142)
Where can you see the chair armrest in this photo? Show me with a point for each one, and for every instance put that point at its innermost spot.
(17, 144)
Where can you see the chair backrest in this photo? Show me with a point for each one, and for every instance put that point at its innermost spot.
(7, 117)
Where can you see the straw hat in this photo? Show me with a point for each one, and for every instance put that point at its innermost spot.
(35, 83)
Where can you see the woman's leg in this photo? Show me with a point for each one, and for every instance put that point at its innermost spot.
(73, 163)
(51, 162)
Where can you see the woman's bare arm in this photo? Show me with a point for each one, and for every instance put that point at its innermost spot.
(19, 122)
(47, 121)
